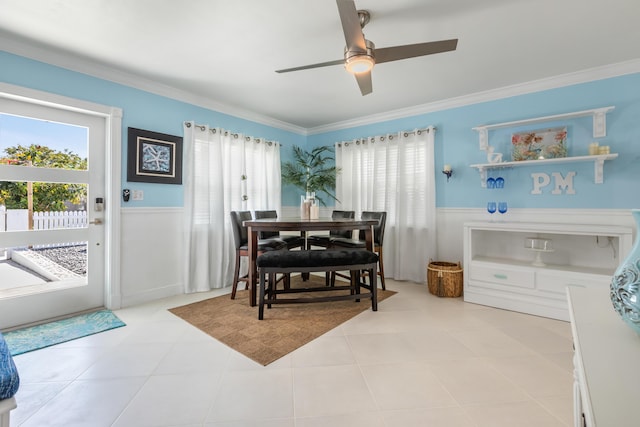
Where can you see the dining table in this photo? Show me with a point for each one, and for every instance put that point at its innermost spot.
(305, 226)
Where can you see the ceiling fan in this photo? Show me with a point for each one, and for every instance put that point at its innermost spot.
(360, 54)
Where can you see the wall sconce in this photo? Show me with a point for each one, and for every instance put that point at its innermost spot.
(446, 169)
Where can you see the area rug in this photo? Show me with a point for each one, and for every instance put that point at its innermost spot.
(284, 328)
(40, 336)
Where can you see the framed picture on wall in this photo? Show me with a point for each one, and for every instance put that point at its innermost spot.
(154, 157)
(539, 144)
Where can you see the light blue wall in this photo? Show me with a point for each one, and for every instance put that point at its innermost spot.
(456, 142)
(141, 110)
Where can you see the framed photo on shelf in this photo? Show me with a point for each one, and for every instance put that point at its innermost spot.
(539, 144)
(154, 157)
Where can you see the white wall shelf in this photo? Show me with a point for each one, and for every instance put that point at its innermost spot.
(598, 115)
(598, 161)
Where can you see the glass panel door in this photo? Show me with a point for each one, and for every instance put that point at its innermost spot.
(51, 205)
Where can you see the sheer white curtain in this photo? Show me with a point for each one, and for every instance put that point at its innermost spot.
(223, 172)
(394, 173)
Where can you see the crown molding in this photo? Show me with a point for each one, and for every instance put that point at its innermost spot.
(28, 49)
(585, 76)
(23, 47)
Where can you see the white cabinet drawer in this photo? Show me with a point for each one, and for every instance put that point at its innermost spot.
(557, 282)
(502, 275)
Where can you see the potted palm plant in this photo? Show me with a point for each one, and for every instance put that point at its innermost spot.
(312, 171)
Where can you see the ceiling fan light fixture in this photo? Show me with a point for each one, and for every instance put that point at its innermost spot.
(359, 64)
(360, 54)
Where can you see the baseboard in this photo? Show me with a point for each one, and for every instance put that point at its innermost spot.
(152, 295)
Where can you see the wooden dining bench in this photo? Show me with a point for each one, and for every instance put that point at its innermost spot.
(309, 261)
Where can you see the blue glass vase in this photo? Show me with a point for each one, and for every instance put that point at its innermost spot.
(625, 285)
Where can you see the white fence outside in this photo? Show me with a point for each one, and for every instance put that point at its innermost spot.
(18, 220)
(64, 219)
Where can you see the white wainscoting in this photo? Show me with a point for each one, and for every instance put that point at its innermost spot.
(151, 242)
(150, 253)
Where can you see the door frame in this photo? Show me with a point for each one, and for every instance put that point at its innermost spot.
(113, 164)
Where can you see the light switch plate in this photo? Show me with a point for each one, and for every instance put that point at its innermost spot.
(137, 195)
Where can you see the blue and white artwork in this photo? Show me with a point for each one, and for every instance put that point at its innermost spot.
(156, 158)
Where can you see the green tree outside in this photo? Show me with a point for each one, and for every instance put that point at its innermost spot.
(46, 196)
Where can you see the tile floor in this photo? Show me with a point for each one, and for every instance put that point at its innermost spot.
(419, 361)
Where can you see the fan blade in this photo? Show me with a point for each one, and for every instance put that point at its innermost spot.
(306, 67)
(364, 81)
(351, 25)
(387, 54)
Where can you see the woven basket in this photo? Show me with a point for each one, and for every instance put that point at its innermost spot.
(444, 279)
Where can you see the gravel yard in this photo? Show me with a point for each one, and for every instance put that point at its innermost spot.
(72, 258)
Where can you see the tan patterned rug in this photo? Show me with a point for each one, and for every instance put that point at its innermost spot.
(284, 328)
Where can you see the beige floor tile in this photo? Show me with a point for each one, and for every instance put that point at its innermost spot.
(432, 417)
(499, 318)
(128, 361)
(521, 414)
(324, 351)
(331, 390)
(562, 360)
(90, 403)
(405, 386)
(536, 375)
(434, 344)
(56, 364)
(538, 338)
(419, 361)
(560, 407)
(253, 394)
(277, 422)
(370, 322)
(157, 401)
(204, 356)
(474, 381)
(32, 397)
(382, 348)
(406, 321)
(488, 342)
(362, 419)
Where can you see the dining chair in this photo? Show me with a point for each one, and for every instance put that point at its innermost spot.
(292, 241)
(241, 240)
(324, 241)
(360, 242)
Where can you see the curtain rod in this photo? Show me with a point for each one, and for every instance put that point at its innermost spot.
(369, 138)
(404, 133)
(234, 135)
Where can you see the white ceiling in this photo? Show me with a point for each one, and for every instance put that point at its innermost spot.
(227, 51)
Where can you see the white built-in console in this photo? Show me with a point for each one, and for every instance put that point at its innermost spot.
(606, 378)
(504, 269)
